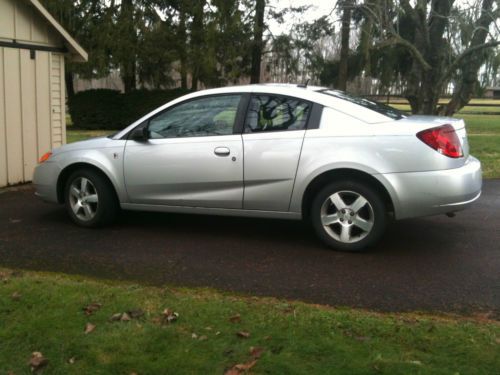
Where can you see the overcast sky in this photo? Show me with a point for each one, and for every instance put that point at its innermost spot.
(317, 9)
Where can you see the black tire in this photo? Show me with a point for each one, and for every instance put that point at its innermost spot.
(107, 207)
(374, 212)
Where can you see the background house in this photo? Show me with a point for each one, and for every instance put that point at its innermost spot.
(33, 47)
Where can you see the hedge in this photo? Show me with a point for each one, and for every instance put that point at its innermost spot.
(111, 110)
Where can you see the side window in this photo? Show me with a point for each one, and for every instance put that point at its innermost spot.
(202, 117)
(276, 113)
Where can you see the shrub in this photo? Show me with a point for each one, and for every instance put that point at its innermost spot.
(111, 110)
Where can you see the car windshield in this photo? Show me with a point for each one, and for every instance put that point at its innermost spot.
(370, 104)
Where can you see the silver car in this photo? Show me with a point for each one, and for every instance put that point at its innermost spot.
(345, 164)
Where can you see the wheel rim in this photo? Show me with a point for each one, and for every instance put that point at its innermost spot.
(347, 216)
(83, 198)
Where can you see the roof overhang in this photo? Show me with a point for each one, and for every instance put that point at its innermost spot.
(76, 52)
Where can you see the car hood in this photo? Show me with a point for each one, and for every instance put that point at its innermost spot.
(93, 143)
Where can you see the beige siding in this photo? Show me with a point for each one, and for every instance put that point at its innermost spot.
(32, 110)
(32, 92)
(3, 130)
(19, 21)
(57, 99)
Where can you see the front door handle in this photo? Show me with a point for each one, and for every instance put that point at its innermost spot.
(222, 151)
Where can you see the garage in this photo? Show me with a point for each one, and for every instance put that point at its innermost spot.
(33, 49)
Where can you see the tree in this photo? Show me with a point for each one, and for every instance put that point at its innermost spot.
(258, 43)
(346, 9)
(422, 36)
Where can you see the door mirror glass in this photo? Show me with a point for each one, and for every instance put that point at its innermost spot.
(140, 134)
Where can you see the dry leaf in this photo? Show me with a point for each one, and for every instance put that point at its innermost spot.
(16, 296)
(241, 367)
(235, 318)
(37, 361)
(72, 360)
(92, 308)
(194, 335)
(135, 314)
(125, 317)
(203, 338)
(256, 352)
(243, 334)
(89, 327)
(116, 317)
(169, 316)
(497, 340)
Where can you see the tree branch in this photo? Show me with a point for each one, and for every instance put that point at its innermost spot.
(397, 40)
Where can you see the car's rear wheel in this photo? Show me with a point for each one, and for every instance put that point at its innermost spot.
(89, 199)
(348, 215)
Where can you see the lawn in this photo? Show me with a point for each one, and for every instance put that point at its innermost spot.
(213, 332)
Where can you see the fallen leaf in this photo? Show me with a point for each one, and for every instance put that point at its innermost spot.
(92, 308)
(169, 316)
(72, 360)
(194, 335)
(256, 352)
(203, 338)
(116, 317)
(37, 361)
(243, 334)
(235, 318)
(135, 314)
(89, 327)
(217, 333)
(16, 296)
(362, 338)
(241, 367)
(497, 340)
(125, 317)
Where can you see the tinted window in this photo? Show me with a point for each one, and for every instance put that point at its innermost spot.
(197, 118)
(370, 104)
(276, 113)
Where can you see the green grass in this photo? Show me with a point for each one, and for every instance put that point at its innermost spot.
(81, 135)
(296, 338)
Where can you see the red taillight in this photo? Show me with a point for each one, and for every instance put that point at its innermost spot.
(443, 139)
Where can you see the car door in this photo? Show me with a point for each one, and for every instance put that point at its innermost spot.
(272, 138)
(193, 156)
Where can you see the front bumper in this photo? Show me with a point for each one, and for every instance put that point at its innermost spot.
(435, 192)
(45, 181)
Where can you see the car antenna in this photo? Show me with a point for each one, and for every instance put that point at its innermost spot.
(303, 85)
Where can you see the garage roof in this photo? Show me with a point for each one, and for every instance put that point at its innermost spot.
(76, 51)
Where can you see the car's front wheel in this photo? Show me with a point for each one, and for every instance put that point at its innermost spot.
(348, 215)
(89, 199)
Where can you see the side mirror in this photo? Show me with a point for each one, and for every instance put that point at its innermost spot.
(140, 134)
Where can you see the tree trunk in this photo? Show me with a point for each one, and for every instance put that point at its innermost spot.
(258, 44)
(197, 38)
(183, 47)
(128, 64)
(344, 43)
(467, 81)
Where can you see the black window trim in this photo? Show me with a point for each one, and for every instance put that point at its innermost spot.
(238, 121)
(313, 117)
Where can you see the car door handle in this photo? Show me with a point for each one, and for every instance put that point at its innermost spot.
(222, 151)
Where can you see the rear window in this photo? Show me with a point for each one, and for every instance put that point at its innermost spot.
(366, 103)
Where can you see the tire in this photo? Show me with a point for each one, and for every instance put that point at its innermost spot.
(90, 199)
(348, 215)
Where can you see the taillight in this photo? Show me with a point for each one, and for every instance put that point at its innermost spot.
(45, 157)
(443, 139)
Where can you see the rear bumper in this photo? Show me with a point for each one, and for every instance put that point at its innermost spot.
(435, 192)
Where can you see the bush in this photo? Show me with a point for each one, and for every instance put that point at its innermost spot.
(111, 110)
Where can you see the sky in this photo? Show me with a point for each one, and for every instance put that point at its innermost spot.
(318, 8)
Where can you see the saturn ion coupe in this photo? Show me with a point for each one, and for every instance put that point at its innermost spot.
(345, 164)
